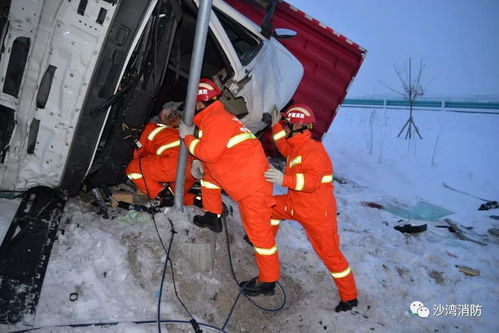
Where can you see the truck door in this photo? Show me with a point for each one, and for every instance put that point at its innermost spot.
(265, 73)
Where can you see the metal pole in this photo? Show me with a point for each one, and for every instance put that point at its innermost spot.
(202, 25)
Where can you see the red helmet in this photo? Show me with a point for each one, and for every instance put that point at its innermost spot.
(300, 114)
(207, 90)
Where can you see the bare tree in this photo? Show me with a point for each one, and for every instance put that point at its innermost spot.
(413, 89)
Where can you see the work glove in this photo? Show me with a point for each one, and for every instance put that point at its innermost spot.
(197, 170)
(184, 130)
(273, 175)
(276, 116)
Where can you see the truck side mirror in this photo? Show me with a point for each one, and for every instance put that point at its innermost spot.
(282, 33)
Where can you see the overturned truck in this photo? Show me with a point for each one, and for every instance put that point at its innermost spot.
(80, 79)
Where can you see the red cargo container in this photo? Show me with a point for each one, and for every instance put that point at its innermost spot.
(330, 60)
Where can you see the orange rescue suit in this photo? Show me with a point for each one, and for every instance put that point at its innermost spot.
(311, 202)
(211, 192)
(235, 161)
(158, 162)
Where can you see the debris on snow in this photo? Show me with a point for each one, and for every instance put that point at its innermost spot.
(489, 205)
(461, 233)
(468, 270)
(372, 205)
(411, 228)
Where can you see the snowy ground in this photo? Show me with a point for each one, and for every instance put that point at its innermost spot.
(115, 265)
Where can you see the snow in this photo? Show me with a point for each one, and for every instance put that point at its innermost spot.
(115, 265)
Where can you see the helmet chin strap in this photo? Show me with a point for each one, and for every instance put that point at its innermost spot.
(206, 104)
(298, 130)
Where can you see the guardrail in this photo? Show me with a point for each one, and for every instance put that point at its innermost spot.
(450, 106)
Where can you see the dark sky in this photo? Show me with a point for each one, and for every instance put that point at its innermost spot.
(458, 40)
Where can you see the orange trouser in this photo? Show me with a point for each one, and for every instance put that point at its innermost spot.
(322, 233)
(255, 211)
(211, 192)
(155, 170)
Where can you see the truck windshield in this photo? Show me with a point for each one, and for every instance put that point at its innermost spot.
(244, 42)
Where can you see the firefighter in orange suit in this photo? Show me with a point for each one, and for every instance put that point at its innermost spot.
(155, 160)
(310, 199)
(235, 160)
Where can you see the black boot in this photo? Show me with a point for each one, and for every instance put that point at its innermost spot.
(166, 198)
(254, 287)
(210, 220)
(345, 306)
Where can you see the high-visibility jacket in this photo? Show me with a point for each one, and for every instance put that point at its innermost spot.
(308, 174)
(158, 139)
(310, 201)
(159, 148)
(235, 160)
(233, 156)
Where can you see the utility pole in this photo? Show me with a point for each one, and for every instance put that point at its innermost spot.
(202, 25)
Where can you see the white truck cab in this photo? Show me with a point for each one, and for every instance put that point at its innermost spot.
(80, 78)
